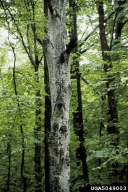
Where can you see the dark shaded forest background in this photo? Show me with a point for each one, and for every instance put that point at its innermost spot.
(99, 102)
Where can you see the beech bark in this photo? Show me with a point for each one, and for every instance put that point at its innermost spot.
(57, 57)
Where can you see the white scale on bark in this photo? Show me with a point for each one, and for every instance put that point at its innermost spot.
(60, 91)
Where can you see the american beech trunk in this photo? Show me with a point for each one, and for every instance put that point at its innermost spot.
(60, 91)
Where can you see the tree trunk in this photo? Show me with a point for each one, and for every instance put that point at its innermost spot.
(112, 106)
(9, 164)
(23, 160)
(47, 125)
(60, 90)
(112, 111)
(24, 179)
(37, 135)
(78, 115)
(47, 115)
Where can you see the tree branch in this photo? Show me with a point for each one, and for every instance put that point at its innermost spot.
(52, 11)
(71, 45)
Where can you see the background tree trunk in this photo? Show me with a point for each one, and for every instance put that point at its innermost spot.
(47, 125)
(78, 115)
(9, 164)
(47, 115)
(112, 104)
(37, 135)
(112, 109)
